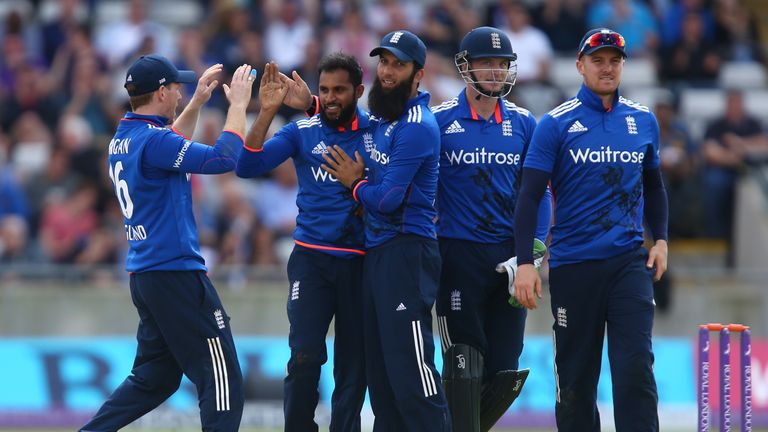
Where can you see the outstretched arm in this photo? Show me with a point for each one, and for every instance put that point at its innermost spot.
(239, 95)
(187, 121)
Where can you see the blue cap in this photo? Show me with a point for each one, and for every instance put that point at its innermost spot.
(150, 72)
(598, 38)
(405, 45)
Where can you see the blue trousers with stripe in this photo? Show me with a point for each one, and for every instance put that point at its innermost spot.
(400, 284)
(183, 329)
(587, 298)
(472, 304)
(324, 287)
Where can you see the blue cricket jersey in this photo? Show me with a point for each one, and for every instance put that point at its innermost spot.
(328, 219)
(480, 165)
(150, 167)
(596, 158)
(399, 195)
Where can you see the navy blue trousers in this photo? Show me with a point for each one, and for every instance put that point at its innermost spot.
(587, 298)
(472, 303)
(183, 329)
(400, 284)
(324, 287)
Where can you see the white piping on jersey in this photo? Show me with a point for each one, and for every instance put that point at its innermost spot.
(565, 107)
(306, 123)
(451, 103)
(414, 114)
(427, 379)
(513, 107)
(220, 376)
(442, 328)
(633, 104)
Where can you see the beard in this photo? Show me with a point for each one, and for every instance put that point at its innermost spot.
(345, 116)
(390, 104)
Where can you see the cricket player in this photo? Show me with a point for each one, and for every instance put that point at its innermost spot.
(483, 143)
(402, 265)
(183, 327)
(325, 270)
(601, 153)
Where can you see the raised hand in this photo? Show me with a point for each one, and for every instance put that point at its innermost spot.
(239, 91)
(299, 96)
(273, 89)
(206, 84)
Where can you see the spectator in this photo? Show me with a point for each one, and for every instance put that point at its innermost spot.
(13, 239)
(727, 142)
(275, 205)
(31, 145)
(692, 60)
(54, 33)
(632, 18)
(383, 16)
(354, 38)
(193, 55)
(287, 36)
(13, 211)
(679, 164)
(736, 33)
(90, 96)
(121, 40)
(12, 197)
(673, 21)
(531, 44)
(229, 23)
(444, 22)
(564, 21)
(234, 220)
(31, 93)
(67, 224)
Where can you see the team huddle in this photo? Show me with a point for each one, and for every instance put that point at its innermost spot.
(448, 207)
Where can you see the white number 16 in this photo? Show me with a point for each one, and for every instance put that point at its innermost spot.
(124, 198)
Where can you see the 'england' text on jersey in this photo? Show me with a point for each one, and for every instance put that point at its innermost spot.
(481, 156)
(606, 155)
(119, 146)
(135, 232)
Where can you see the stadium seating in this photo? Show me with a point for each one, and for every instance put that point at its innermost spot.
(742, 75)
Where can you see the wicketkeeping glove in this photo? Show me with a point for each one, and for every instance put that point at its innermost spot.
(510, 268)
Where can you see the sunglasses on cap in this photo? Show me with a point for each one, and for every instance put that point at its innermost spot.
(602, 39)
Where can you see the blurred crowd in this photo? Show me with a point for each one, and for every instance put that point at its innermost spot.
(63, 62)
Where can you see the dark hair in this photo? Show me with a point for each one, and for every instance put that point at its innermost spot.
(339, 60)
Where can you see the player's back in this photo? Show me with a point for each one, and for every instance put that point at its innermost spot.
(156, 204)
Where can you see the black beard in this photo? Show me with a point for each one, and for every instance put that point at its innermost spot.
(345, 116)
(390, 104)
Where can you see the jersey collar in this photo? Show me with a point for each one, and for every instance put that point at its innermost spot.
(360, 121)
(467, 111)
(591, 100)
(158, 121)
(421, 98)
